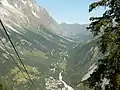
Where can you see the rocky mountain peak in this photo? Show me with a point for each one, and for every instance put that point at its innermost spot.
(26, 12)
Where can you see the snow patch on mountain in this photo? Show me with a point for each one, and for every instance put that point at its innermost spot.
(23, 2)
(10, 27)
(5, 2)
(14, 24)
(15, 5)
(30, 4)
(3, 12)
(35, 14)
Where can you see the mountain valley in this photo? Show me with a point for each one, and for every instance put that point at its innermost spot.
(56, 56)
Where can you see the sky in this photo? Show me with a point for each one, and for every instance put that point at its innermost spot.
(69, 11)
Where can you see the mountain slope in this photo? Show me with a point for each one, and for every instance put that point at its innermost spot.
(33, 33)
(81, 59)
(27, 19)
(26, 12)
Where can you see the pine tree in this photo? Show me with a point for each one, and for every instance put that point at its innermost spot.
(107, 28)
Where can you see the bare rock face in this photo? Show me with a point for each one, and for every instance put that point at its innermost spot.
(26, 13)
(25, 19)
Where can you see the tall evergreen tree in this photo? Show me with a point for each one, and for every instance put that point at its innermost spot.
(107, 27)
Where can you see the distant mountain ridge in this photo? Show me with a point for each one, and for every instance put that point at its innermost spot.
(73, 29)
(76, 31)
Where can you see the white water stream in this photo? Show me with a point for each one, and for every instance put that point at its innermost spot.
(67, 87)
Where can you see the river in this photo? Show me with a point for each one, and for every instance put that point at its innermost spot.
(67, 87)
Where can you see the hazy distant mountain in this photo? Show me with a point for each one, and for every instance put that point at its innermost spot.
(73, 29)
(76, 31)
